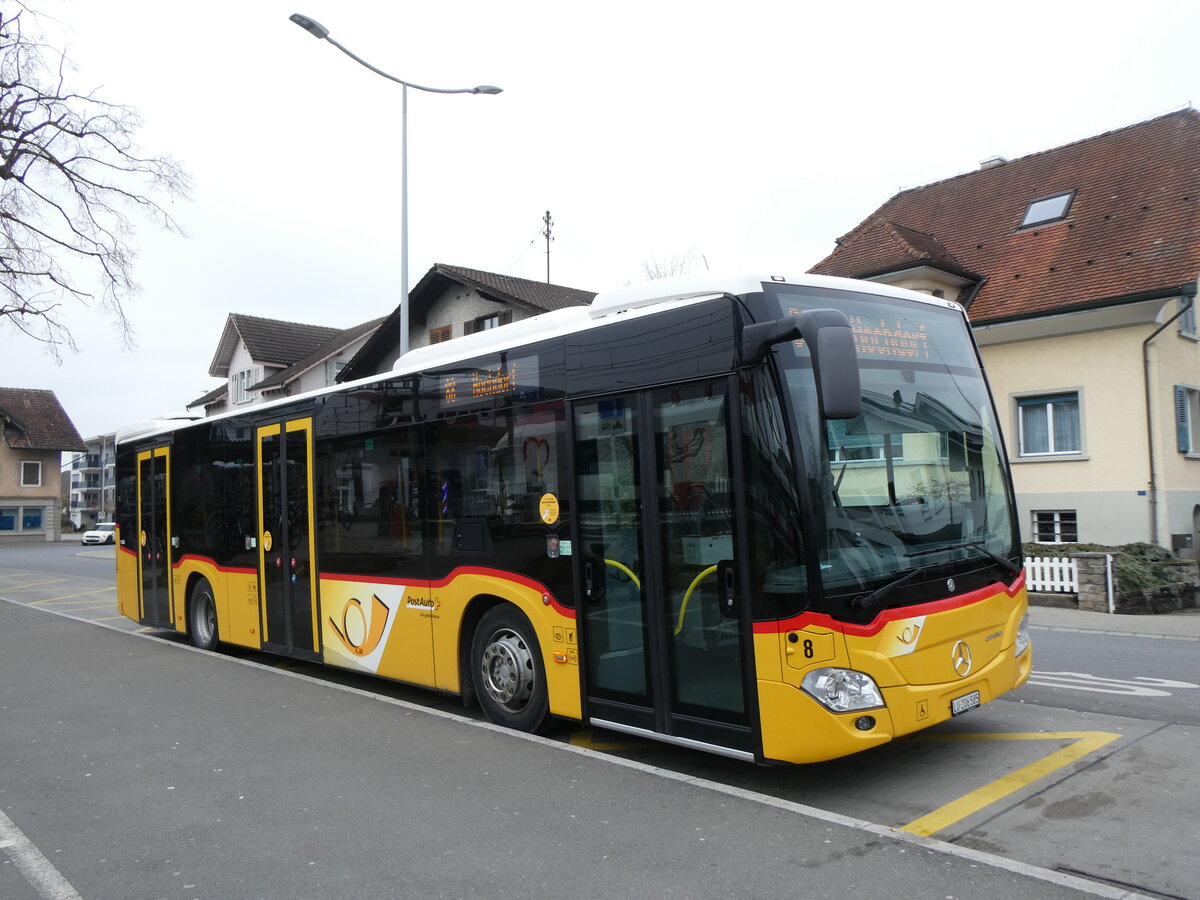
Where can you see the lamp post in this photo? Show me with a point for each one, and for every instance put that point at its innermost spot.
(319, 31)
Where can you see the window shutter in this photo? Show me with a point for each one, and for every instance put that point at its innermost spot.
(506, 317)
(469, 326)
(1183, 431)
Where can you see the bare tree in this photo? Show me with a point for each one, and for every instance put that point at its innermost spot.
(656, 268)
(70, 175)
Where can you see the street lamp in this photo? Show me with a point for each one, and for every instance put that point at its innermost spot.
(319, 31)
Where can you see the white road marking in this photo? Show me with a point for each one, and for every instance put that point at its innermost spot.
(30, 861)
(1139, 686)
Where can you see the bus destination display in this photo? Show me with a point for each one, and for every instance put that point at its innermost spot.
(516, 379)
(882, 337)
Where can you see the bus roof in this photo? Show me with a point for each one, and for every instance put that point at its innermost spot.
(632, 300)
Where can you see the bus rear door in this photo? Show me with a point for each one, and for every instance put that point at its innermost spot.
(664, 633)
(287, 577)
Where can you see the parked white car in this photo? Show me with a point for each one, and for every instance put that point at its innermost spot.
(103, 533)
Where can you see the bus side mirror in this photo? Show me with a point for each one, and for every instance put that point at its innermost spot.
(830, 342)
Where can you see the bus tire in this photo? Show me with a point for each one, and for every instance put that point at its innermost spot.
(507, 670)
(202, 616)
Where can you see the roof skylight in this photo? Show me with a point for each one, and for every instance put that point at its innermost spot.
(1048, 209)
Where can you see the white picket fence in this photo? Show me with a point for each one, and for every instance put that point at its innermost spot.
(1051, 574)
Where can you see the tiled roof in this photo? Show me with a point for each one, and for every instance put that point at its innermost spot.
(34, 420)
(537, 296)
(1133, 227)
(217, 393)
(331, 347)
(268, 341)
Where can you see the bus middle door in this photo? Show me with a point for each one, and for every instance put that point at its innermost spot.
(287, 577)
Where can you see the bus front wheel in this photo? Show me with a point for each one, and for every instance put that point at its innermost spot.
(202, 616)
(507, 670)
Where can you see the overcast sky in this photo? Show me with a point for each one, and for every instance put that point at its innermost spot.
(746, 135)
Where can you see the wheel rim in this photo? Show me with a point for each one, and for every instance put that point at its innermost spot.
(205, 618)
(507, 667)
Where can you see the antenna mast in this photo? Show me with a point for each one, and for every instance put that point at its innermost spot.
(549, 236)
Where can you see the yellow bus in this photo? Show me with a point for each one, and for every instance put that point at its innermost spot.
(766, 517)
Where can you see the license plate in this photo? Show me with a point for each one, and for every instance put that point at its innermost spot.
(966, 703)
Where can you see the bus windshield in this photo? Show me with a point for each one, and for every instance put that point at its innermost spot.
(912, 491)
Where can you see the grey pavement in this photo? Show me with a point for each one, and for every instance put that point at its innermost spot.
(142, 768)
(1184, 624)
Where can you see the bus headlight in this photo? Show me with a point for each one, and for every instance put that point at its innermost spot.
(842, 690)
(1023, 635)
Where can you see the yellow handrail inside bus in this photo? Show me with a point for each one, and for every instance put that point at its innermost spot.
(628, 571)
(687, 596)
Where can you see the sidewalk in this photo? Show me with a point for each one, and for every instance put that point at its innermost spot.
(1184, 624)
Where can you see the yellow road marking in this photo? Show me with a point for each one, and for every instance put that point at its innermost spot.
(586, 737)
(1083, 743)
(33, 584)
(72, 596)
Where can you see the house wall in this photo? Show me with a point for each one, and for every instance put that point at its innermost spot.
(455, 307)
(1107, 484)
(1102, 482)
(1174, 360)
(318, 376)
(44, 498)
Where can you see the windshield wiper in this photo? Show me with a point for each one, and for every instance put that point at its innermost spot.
(1003, 562)
(870, 602)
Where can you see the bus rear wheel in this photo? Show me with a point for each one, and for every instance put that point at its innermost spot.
(202, 616)
(507, 670)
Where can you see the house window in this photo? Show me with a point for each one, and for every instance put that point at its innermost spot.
(31, 474)
(484, 323)
(333, 368)
(1055, 526)
(20, 518)
(1048, 209)
(1187, 419)
(241, 382)
(441, 335)
(1049, 425)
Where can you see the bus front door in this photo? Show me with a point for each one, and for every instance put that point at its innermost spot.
(664, 632)
(287, 578)
(153, 537)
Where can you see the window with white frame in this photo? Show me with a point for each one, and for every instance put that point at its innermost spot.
(241, 382)
(1057, 526)
(1187, 419)
(1048, 425)
(31, 473)
(333, 368)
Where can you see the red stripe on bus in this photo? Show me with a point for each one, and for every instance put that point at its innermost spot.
(822, 620)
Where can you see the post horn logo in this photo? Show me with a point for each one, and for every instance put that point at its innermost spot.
(960, 658)
(354, 632)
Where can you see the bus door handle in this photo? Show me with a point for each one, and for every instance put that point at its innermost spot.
(727, 580)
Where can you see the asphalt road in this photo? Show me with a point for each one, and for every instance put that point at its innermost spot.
(365, 788)
(1137, 676)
